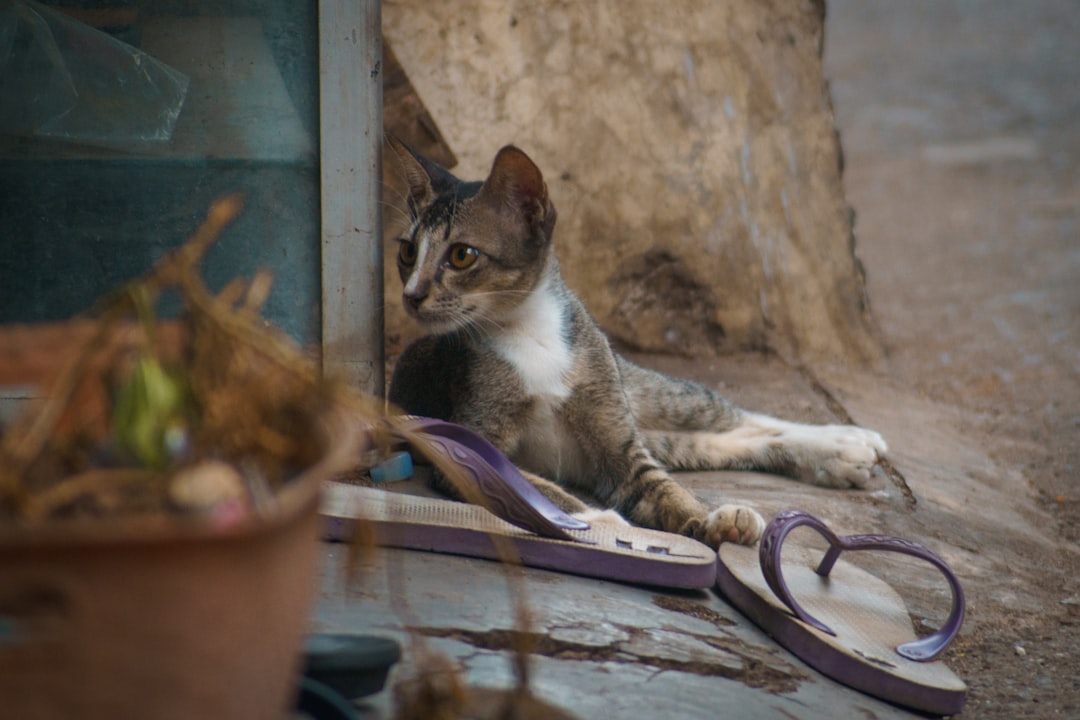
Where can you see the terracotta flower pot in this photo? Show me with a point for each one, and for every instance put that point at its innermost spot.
(146, 613)
(163, 617)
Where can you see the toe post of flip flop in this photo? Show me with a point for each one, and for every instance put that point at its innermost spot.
(843, 621)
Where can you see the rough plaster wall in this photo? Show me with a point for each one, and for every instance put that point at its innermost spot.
(689, 148)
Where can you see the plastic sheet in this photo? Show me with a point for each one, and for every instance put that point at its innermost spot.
(63, 80)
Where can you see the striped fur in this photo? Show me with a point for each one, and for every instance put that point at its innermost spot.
(514, 355)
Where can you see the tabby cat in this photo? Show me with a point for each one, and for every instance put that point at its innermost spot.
(512, 354)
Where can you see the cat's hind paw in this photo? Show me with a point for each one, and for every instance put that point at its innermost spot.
(733, 523)
(843, 456)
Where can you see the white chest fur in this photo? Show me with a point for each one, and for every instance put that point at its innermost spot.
(533, 342)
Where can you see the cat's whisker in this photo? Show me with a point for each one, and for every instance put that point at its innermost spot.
(403, 213)
(470, 332)
(476, 316)
(485, 293)
(480, 320)
(462, 325)
(400, 196)
(399, 202)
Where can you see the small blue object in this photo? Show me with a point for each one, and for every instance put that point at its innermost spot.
(10, 631)
(396, 467)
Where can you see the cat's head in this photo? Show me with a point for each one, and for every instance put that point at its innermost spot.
(474, 251)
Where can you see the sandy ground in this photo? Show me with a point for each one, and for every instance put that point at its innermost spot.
(959, 123)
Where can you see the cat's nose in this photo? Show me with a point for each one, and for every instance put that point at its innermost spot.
(415, 298)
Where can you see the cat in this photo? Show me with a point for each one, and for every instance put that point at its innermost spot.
(512, 353)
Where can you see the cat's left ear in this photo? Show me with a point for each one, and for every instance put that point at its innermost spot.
(515, 185)
(426, 179)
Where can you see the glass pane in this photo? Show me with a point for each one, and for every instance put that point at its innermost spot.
(122, 120)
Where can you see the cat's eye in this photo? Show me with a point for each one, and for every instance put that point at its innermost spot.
(407, 253)
(462, 256)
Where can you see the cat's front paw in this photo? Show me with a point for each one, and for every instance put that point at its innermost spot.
(733, 523)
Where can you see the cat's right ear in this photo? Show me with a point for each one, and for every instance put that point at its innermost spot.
(425, 179)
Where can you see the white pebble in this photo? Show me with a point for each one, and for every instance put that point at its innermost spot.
(206, 485)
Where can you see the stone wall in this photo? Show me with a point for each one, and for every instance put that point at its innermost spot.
(689, 148)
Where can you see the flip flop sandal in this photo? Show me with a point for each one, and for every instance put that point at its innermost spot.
(843, 621)
(542, 535)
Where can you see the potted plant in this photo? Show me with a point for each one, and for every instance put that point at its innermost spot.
(158, 511)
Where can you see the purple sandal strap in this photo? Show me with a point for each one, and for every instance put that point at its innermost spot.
(924, 649)
(505, 491)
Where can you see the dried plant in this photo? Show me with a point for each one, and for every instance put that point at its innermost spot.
(237, 391)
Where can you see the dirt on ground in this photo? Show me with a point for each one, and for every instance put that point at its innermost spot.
(959, 126)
